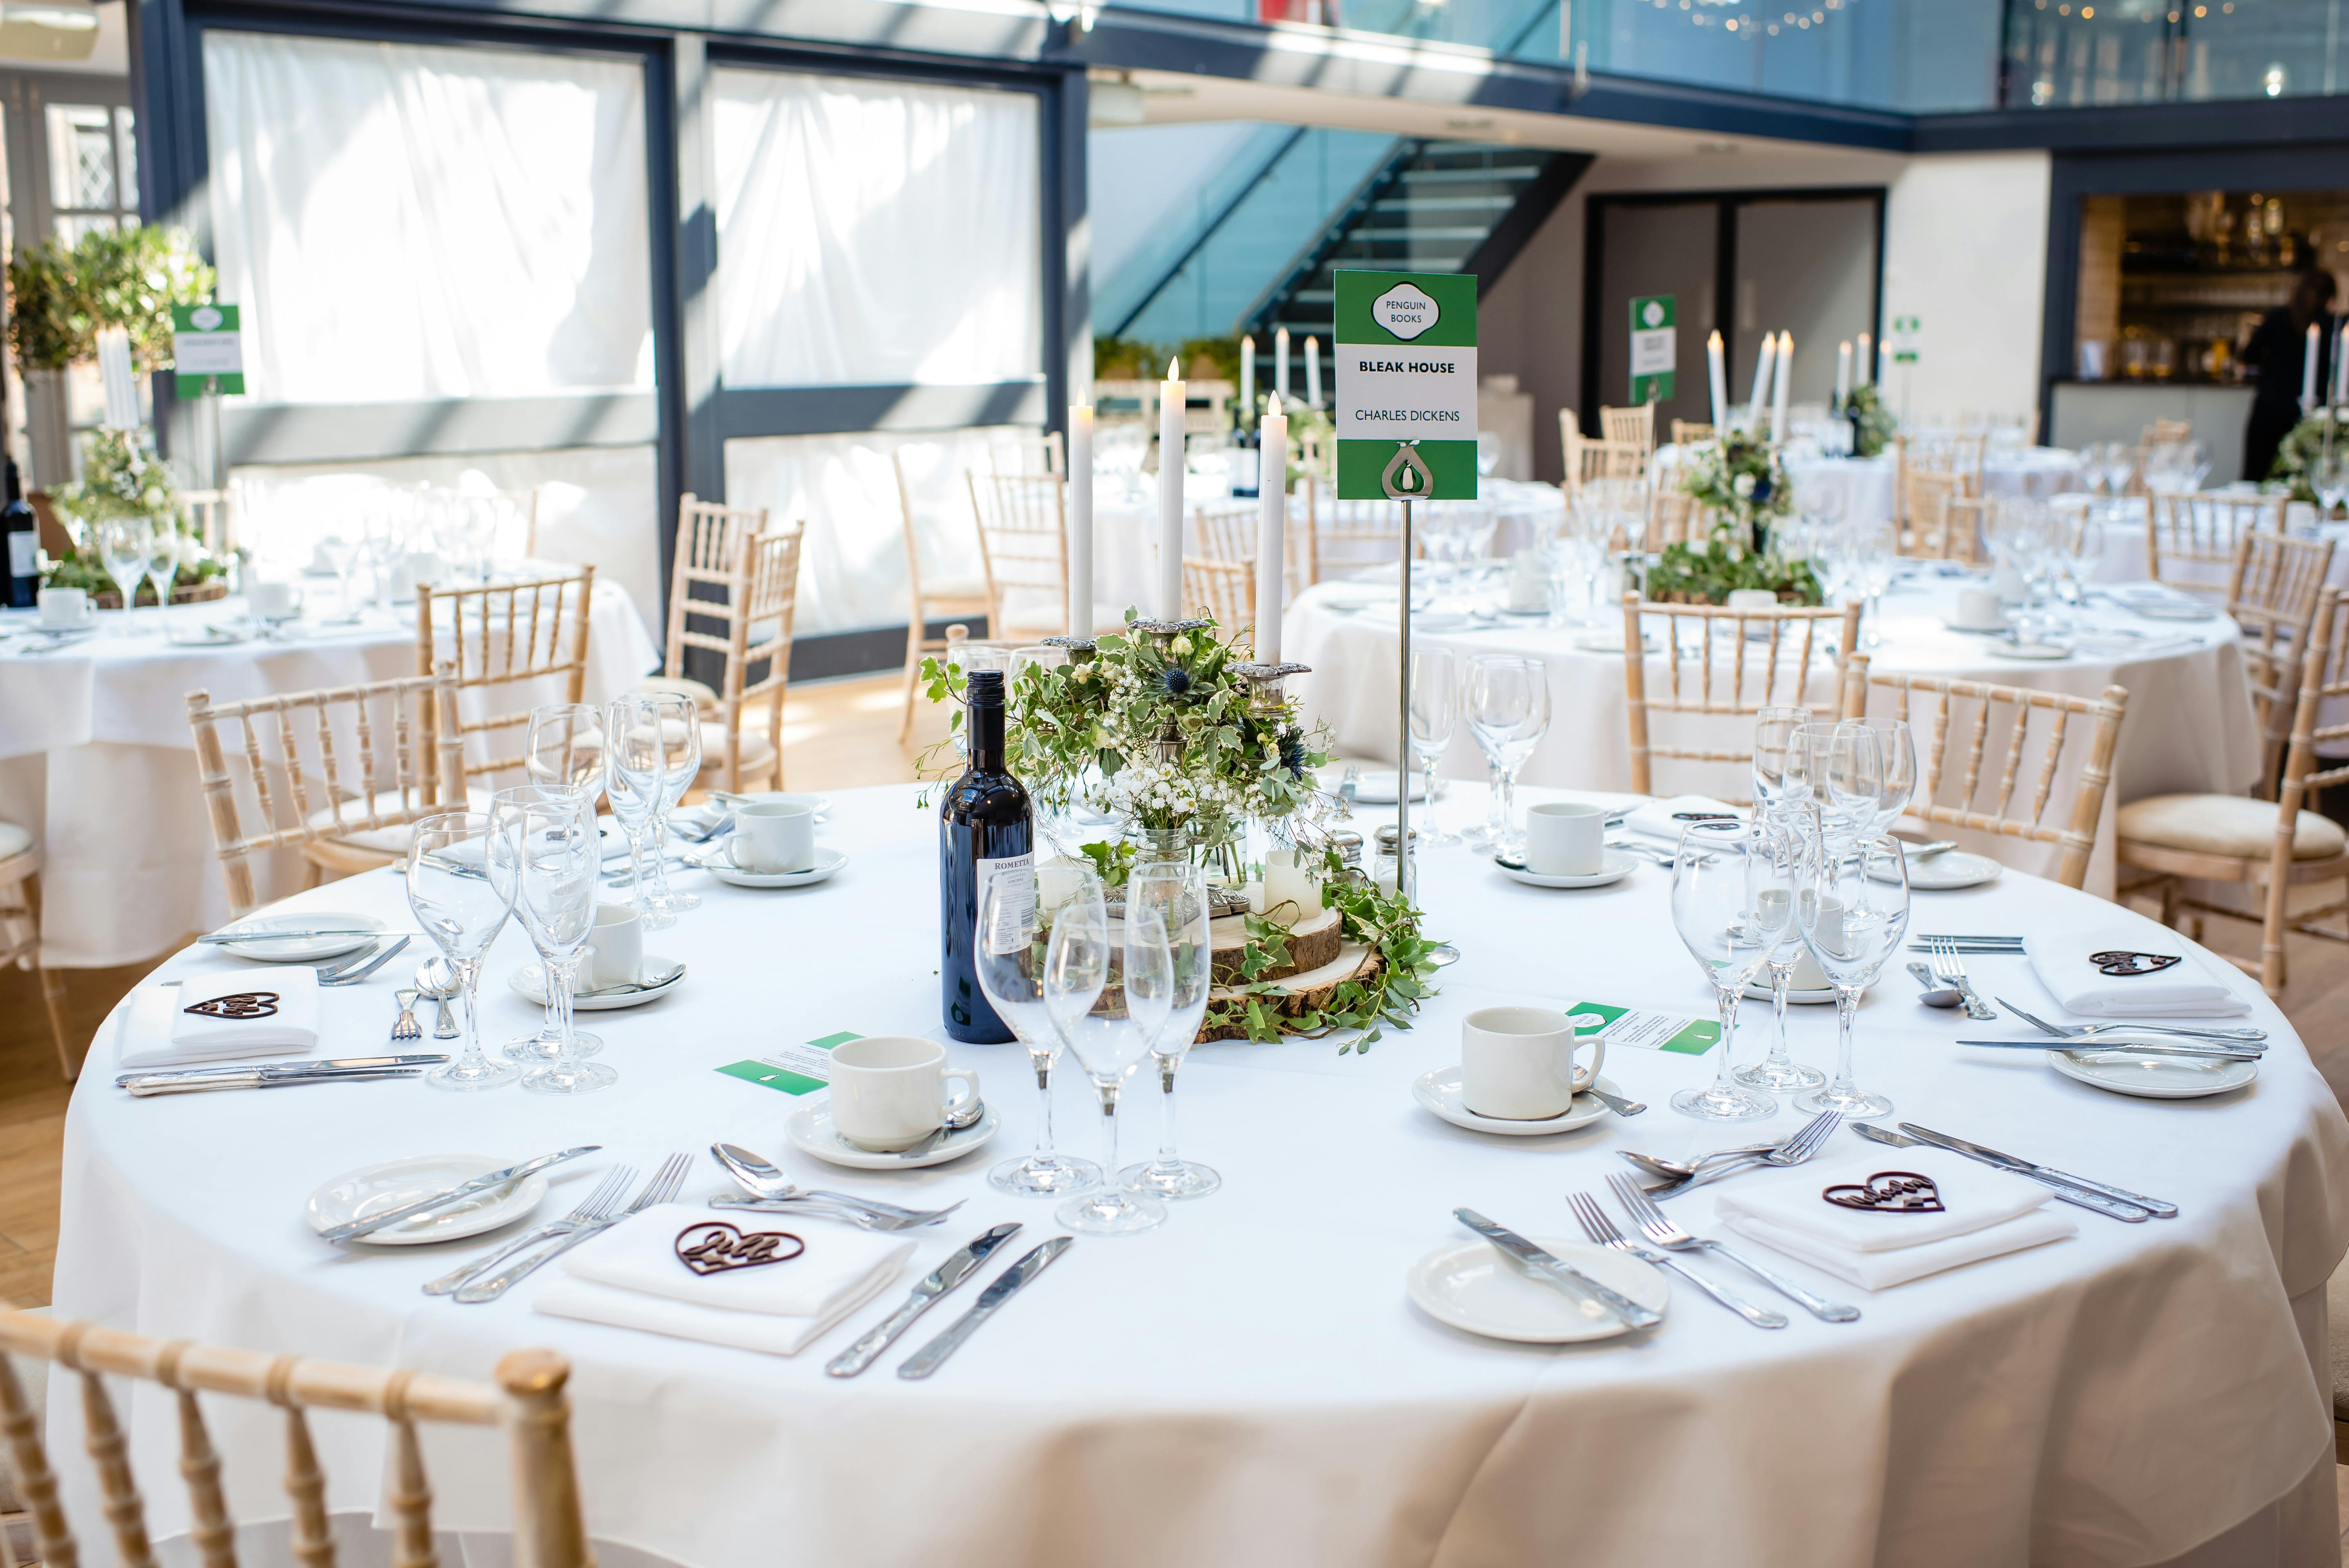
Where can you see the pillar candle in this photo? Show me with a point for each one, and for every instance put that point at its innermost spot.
(1287, 882)
(120, 381)
(1883, 364)
(1171, 397)
(1312, 373)
(1720, 376)
(2307, 369)
(1081, 520)
(1247, 379)
(1862, 364)
(1784, 374)
(1281, 361)
(1843, 372)
(1272, 533)
(1760, 396)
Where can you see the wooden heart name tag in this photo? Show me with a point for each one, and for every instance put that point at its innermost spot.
(1890, 1193)
(237, 1004)
(2126, 964)
(716, 1247)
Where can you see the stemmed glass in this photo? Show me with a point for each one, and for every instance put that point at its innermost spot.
(1435, 713)
(1853, 917)
(564, 754)
(1773, 751)
(162, 563)
(1110, 1039)
(1020, 907)
(461, 907)
(1722, 876)
(1896, 774)
(2328, 476)
(636, 772)
(338, 546)
(1508, 712)
(1177, 894)
(1774, 759)
(1842, 774)
(1876, 549)
(680, 766)
(544, 858)
(122, 546)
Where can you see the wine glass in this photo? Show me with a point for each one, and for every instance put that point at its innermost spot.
(1773, 743)
(1876, 549)
(680, 765)
(1774, 914)
(1177, 894)
(122, 546)
(1719, 875)
(1435, 713)
(1508, 712)
(1852, 921)
(1110, 1039)
(1021, 905)
(2328, 476)
(461, 907)
(1841, 775)
(563, 750)
(635, 773)
(1895, 776)
(337, 545)
(162, 562)
(543, 857)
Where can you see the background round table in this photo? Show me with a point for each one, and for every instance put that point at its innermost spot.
(1249, 1384)
(1863, 487)
(96, 758)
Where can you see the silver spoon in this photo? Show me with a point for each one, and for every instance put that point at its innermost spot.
(956, 1119)
(435, 979)
(761, 1180)
(1614, 1103)
(1936, 995)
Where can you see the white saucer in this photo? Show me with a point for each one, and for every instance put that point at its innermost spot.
(390, 1183)
(2153, 1077)
(827, 862)
(1378, 789)
(811, 1131)
(531, 982)
(303, 949)
(1760, 992)
(1949, 869)
(707, 812)
(1612, 643)
(1472, 1287)
(2034, 651)
(1440, 1092)
(1618, 864)
(2168, 610)
(206, 636)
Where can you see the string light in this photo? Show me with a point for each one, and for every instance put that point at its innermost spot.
(1790, 21)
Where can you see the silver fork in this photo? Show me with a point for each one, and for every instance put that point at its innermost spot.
(1950, 969)
(405, 1026)
(659, 1190)
(592, 1209)
(351, 971)
(2085, 1031)
(1601, 1231)
(1794, 1152)
(1665, 1234)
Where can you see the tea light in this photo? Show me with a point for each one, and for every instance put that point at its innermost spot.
(1287, 882)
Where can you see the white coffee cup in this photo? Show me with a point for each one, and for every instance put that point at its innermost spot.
(1753, 599)
(1566, 839)
(273, 598)
(1979, 611)
(773, 836)
(889, 1091)
(1516, 1064)
(615, 955)
(64, 608)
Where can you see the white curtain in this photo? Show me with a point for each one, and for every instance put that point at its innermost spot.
(853, 562)
(404, 221)
(873, 231)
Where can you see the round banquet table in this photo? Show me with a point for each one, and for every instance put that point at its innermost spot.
(1249, 1384)
(2188, 727)
(1863, 486)
(95, 755)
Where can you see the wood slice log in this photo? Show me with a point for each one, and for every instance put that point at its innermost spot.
(1311, 990)
(182, 594)
(1310, 943)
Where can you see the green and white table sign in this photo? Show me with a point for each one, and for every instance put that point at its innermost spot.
(1405, 344)
(1655, 348)
(207, 354)
(1906, 330)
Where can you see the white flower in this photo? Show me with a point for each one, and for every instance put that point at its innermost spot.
(1699, 546)
(1741, 486)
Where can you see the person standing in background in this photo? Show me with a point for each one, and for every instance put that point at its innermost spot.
(2276, 352)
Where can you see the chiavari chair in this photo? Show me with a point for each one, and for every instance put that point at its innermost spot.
(2185, 532)
(1629, 427)
(1342, 536)
(516, 645)
(1023, 541)
(213, 513)
(733, 592)
(1586, 460)
(707, 536)
(1687, 431)
(1219, 566)
(1944, 525)
(930, 596)
(20, 930)
(2272, 595)
(1721, 662)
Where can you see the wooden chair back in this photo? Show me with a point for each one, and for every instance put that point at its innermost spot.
(1673, 517)
(213, 513)
(1219, 566)
(528, 1402)
(1629, 426)
(1993, 804)
(2165, 430)
(1712, 666)
(2273, 594)
(1023, 543)
(506, 638)
(1586, 460)
(1687, 431)
(927, 600)
(734, 593)
(2183, 532)
(1944, 525)
(406, 764)
(1343, 536)
(1040, 453)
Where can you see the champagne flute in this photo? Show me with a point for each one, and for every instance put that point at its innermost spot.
(122, 545)
(162, 562)
(1109, 999)
(634, 774)
(1434, 715)
(462, 909)
(1721, 876)
(1842, 776)
(544, 855)
(1774, 914)
(1177, 894)
(680, 765)
(1774, 744)
(1852, 921)
(1021, 905)
(564, 754)
(1896, 780)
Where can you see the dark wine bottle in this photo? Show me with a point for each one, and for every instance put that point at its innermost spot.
(23, 531)
(983, 822)
(1247, 460)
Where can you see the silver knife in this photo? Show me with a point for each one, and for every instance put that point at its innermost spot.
(2015, 1162)
(280, 1070)
(927, 1360)
(2245, 1053)
(1560, 1272)
(2080, 1197)
(458, 1193)
(932, 1285)
(302, 935)
(144, 1088)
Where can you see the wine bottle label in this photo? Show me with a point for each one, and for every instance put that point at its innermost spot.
(1014, 927)
(23, 550)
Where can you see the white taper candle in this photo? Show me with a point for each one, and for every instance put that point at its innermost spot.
(1081, 520)
(1312, 373)
(1759, 397)
(1272, 541)
(1248, 380)
(1843, 372)
(1779, 379)
(1720, 376)
(1172, 394)
(1281, 361)
(2307, 369)
(1862, 364)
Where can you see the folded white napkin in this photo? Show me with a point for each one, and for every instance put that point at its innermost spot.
(2065, 963)
(1664, 821)
(631, 1277)
(1986, 1214)
(249, 1012)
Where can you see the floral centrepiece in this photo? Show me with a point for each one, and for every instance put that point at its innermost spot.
(1873, 425)
(1740, 488)
(121, 477)
(2303, 444)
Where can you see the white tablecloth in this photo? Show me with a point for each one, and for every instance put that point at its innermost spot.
(1863, 486)
(96, 758)
(1249, 1385)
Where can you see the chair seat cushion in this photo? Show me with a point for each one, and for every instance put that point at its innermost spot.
(756, 752)
(13, 841)
(389, 840)
(953, 587)
(704, 698)
(2225, 825)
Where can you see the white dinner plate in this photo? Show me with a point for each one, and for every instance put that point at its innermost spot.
(1618, 865)
(531, 981)
(1377, 788)
(707, 812)
(2172, 610)
(1472, 1287)
(811, 1131)
(2041, 652)
(2153, 1077)
(1949, 869)
(1759, 991)
(1613, 641)
(1991, 629)
(827, 862)
(302, 949)
(1440, 1092)
(207, 637)
(391, 1183)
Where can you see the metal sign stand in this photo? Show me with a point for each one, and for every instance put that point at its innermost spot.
(1405, 477)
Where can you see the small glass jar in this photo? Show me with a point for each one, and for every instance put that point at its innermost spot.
(1382, 863)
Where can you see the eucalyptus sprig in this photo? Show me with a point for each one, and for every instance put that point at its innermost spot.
(1393, 991)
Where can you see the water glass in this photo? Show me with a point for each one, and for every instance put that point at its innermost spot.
(545, 858)
(1508, 712)
(1853, 915)
(1722, 874)
(1020, 907)
(644, 733)
(1841, 776)
(461, 907)
(1774, 915)
(162, 563)
(1895, 776)
(1176, 893)
(563, 750)
(1434, 715)
(681, 766)
(1774, 756)
(1110, 998)
(122, 548)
